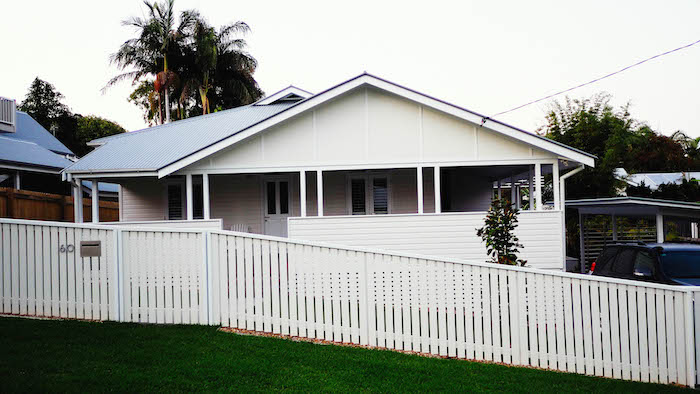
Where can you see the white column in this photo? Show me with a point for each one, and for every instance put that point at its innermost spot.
(319, 191)
(95, 201)
(538, 186)
(419, 187)
(555, 186)
(498, 188)
(77, 203)
(205, 196)
(614, 227)
(659, 227)
(438, 197)
(531, 189)
(302, 193)
(582, 241)
(17, 181)
(190, 200)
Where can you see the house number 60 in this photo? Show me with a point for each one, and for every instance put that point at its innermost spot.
(67, 248)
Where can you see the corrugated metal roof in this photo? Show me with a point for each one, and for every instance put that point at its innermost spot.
(30, 130)
(29, 153)
(156, 147)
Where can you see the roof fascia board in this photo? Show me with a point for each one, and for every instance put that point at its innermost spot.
(366, 79)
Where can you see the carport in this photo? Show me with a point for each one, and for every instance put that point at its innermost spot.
(607, 220)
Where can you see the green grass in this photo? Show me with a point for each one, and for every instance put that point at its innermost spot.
(41, 355)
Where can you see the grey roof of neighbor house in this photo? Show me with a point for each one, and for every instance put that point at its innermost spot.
(156, 147)
(28, 129)
(29, 153)
(32, 145)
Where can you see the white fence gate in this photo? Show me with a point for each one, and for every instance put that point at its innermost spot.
(567, 322)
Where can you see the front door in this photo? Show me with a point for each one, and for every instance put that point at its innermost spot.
(276, 205)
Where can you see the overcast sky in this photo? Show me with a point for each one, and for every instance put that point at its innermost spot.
(487, 56)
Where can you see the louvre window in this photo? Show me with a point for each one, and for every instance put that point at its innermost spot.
(369, 195)
(358, 196)
(380, 196)
(175, 202)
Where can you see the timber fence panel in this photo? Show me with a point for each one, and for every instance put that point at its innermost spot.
(568, 322)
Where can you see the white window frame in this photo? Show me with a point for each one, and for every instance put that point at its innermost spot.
(369, 195)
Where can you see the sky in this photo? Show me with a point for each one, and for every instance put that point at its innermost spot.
(487, 56)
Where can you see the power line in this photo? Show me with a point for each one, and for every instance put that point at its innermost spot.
(598, 79)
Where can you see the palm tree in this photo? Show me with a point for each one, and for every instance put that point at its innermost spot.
(149, 53)
(221, 67)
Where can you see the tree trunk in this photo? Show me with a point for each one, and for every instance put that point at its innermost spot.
(167, 106)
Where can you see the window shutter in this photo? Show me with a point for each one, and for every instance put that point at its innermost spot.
(358, 197)
(380, 196)
(174, 202)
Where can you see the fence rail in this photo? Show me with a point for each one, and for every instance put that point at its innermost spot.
(555, 320)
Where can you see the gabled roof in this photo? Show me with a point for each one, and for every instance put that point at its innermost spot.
(165, 149)
(28, 129)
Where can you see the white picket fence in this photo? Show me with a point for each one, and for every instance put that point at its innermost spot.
(567, 322)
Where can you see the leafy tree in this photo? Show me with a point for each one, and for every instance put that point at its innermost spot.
(593, 126)
(92, 127)
(44, 103)
(498, 233)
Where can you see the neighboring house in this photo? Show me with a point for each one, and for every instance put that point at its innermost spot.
(366, 162)
(654, 179)
(31, 158)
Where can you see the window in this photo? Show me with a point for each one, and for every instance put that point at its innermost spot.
(644, 264)
(198, 201)
(277, 197)
(624, 262)
(380, 196)
(357, 192)
(175, 201)
(369, 195)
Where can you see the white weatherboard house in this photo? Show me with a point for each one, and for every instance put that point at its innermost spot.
(365, 163)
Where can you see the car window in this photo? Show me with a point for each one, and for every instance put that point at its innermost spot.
(624, 262)
(681, 264)
(606, 256)
(644, 264)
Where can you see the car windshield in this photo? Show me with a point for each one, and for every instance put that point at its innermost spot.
(685, 264)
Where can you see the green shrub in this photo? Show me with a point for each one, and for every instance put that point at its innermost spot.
(498, 232)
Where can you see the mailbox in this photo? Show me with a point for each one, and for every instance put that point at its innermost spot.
(90, 248)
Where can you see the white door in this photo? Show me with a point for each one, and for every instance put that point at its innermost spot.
(276, 205)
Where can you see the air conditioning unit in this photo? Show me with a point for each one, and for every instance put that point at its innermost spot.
(8, 111)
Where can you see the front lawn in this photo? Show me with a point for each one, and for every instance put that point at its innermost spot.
(41, 355)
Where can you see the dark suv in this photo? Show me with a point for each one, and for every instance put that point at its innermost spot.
(676, 264)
